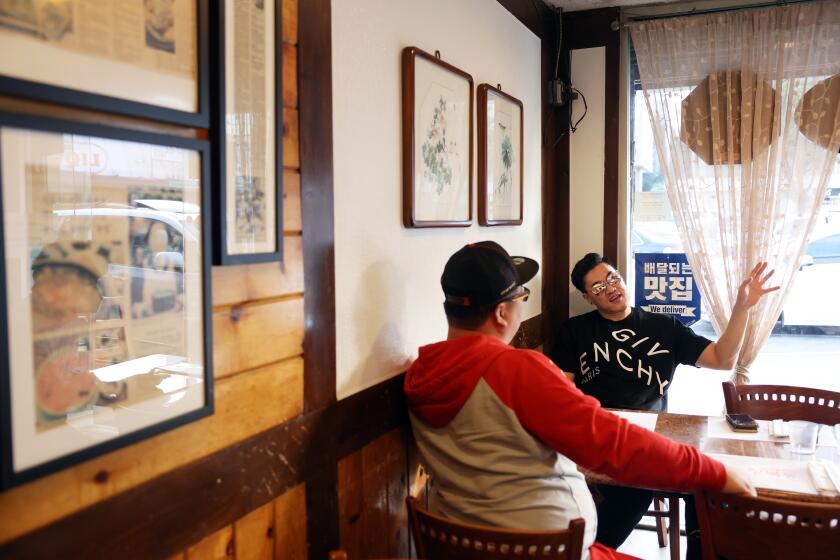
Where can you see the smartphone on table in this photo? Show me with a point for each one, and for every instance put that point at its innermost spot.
(742, 422)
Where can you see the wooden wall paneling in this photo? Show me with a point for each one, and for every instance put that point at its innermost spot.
(371, 494)
(290, 536)
(529, 334)
(290, 21)
(251, 335)
(291, 204)
(414, 461)
(399, 541)
(374, 481)
(258, 392)
(179, 556)
(290, 87)
(253, 534)
(211, 493)
(250, 282)
(217, 546)
(322, 512)
(291, 138)
(246, 404)
(351, 507)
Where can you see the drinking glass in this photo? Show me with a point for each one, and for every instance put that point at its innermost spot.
(803, 437)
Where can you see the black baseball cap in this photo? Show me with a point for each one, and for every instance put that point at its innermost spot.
(482, 274)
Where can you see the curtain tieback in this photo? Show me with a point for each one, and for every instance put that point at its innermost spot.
(741, 376)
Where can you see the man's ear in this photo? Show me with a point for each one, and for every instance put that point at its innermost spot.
(500, 315)
(587, 298)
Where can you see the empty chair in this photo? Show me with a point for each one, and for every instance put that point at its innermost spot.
(768, 402)
(439, 538)
(737, 527)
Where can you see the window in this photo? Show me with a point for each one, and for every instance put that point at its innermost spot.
(805, 345)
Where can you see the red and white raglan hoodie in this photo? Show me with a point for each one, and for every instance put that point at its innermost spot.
(502, 431)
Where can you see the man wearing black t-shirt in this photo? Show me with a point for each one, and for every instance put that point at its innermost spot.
(625, 357)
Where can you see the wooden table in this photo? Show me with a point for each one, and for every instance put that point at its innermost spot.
(692, 430)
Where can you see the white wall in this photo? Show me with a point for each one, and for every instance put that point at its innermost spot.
(388, 296)
(586, 163)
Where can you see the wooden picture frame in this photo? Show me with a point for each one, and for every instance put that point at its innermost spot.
(247, 126)
(437, 115)
(143, 59)
(500, 157)
(105, 325)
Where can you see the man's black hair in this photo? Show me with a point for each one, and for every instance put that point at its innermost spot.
(583, 266)
(466, 319)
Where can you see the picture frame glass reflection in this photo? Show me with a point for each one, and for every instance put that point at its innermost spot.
(104, 272)
(145, 51)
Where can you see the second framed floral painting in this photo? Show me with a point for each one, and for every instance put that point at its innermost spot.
(499, 157)
(437, 142)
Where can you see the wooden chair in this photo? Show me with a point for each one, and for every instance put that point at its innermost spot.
(668, 534)
(439, 538)
(744, 528)
(768, 402)
(342, 555)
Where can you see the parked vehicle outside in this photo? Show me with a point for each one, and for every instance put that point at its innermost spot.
(809, 302)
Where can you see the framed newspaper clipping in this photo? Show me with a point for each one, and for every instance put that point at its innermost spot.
(144, 58)
(104, 306)
(499, 157)
(437, 105)
(247, 126)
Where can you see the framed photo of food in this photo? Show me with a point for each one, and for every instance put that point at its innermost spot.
(248, 125)
(499, 157)
(105, 268)
(437, 105)
(145, 58)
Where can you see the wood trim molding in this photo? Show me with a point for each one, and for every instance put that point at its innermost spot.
(316, 183)
(166, 515)
(533, 15)
(540, 19)
(587, 29)
(612, 130)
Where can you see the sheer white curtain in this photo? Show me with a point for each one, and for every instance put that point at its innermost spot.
(746, 119)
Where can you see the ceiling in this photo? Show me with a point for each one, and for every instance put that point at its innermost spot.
(573, 5)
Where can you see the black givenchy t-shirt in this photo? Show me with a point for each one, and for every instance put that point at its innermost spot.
(628, 363)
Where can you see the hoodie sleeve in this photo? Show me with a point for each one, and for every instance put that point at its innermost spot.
(551, 408)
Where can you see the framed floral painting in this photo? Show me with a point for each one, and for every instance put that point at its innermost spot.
(499, 157)
(437, 142)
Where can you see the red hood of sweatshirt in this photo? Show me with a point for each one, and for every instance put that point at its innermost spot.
(444, 375)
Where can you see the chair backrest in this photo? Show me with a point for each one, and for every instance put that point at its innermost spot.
(743, 527)
(439, 538)
(768, 402)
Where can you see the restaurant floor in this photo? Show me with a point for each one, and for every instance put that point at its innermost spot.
(643, 544)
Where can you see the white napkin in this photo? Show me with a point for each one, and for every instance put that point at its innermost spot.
(825, 477)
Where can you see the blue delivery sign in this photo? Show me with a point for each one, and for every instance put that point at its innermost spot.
(665, 284)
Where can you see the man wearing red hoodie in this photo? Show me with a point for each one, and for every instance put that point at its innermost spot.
(503, 431)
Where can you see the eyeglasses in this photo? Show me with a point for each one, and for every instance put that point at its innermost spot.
(612, 279)
(522, 296)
